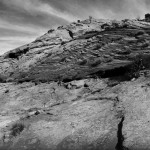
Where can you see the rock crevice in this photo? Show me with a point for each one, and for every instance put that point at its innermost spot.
(120, 136)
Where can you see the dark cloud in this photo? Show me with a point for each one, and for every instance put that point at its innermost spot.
(20, 15)
(23, 20)
(9, 32)
(116, 9)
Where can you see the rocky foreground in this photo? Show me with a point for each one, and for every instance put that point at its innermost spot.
(83, 86)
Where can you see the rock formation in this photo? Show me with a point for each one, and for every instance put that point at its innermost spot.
(147, 17)
(80, 86)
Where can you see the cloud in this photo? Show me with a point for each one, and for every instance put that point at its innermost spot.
(8, 43)
(35, 7)
(111, 9)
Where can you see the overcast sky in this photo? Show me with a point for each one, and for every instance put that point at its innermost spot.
(21, 21)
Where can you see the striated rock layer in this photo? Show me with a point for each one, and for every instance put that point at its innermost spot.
(78, 50)
(83, 86)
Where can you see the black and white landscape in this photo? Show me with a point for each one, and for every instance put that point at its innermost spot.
(81, 80)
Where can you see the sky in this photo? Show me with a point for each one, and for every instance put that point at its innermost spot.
(22, 21)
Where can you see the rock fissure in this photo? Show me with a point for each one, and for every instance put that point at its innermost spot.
(114, 99)
(70, 33)
(120, 136)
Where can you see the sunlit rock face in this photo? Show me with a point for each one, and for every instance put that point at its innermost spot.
(80, 86)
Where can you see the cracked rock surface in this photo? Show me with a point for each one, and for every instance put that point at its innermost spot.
(83, 86)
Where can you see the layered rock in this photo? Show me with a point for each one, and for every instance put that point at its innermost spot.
(95, 93)
(78, 51)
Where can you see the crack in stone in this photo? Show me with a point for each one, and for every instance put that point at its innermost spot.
(120, 136)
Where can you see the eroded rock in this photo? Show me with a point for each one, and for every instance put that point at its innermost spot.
(81, 86)
(91, 49)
